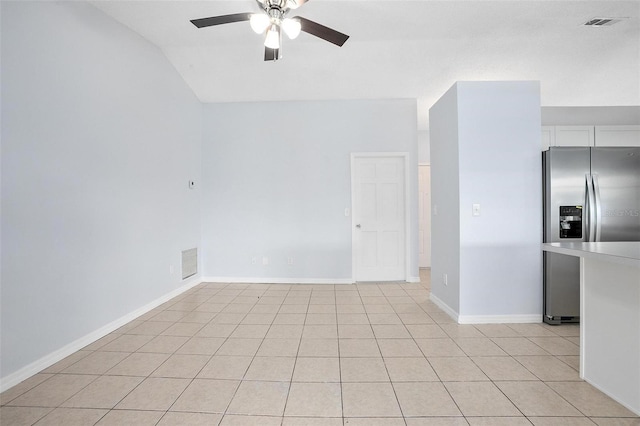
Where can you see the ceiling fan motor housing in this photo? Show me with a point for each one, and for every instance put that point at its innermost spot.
(283, 5)
(276, 9)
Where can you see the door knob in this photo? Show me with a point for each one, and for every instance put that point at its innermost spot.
(358, 226)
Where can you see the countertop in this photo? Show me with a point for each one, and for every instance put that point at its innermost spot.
(625, 252)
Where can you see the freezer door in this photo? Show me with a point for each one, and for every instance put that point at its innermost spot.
(616, 172)
(565, 172)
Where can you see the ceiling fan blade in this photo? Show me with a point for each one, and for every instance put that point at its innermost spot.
(294, 4)
(271, 54)
(218, 20)
(325, 33)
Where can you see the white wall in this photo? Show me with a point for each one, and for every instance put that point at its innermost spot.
(100, 136)
(445, 200)
(276, 182)
(499, 167)
(424, 151)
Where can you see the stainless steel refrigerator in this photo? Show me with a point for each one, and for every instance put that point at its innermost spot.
(590, 194)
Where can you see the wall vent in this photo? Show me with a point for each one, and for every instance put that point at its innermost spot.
(189, 262)
(602, 22)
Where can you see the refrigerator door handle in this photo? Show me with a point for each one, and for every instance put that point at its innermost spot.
(591, 209)
(597, 209)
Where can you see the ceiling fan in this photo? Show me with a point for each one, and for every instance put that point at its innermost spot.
(273, 21)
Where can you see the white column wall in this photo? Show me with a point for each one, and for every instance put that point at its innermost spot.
(485, 139)
(445, 202)
(500, 169)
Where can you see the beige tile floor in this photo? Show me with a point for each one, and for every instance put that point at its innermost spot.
(370, 354)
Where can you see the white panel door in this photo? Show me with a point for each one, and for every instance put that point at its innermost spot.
(424, 188)
(379, 218)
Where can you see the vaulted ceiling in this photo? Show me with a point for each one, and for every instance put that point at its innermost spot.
(402, 49)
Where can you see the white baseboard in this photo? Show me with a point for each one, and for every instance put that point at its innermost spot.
(269, 280)
(50, 359)
(499, 319)
(612, 395)
(446, 308)
(485, 319)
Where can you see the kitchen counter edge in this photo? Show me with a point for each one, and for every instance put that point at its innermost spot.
(622, 252)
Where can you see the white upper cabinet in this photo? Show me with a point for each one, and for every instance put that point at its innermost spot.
(617, 136)
(590, 136)
(574, 136)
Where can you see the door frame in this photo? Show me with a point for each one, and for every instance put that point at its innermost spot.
(407, 244)
(420, 206)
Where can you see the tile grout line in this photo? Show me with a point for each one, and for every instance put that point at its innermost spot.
(225, 413)
(293, 371)
(340, 360)
(211, 356)
(386, 369)
(199, 371)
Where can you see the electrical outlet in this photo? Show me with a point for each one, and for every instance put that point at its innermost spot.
(254, 260)
(289, 260)
(444, 279)
(265, 260)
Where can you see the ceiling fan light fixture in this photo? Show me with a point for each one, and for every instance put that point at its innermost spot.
(272, 22)
(291, 27)
(272, 41)
(259, 22)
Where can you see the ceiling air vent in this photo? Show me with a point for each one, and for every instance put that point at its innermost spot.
(601, 22)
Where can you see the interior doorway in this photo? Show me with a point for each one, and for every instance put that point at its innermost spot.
(424, 208)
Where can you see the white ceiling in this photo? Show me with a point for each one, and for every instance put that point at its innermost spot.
(402, 49)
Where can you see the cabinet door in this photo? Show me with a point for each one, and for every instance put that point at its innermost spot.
(548, 137)
(618, 136)
(574, 135)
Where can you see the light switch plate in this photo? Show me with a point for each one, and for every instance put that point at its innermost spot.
(476, 209)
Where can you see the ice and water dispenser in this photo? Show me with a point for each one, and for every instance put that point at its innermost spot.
(571, 222)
